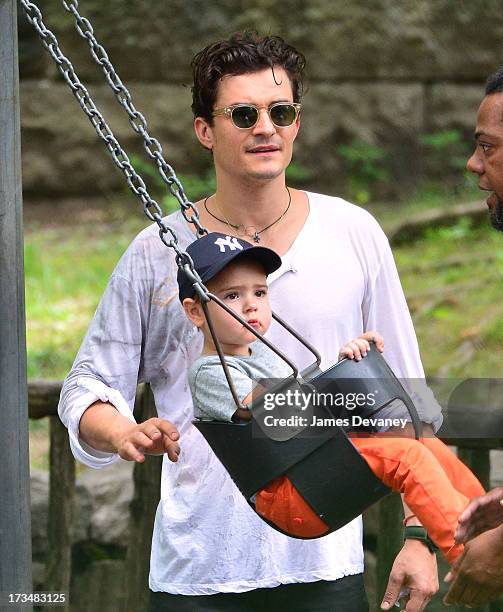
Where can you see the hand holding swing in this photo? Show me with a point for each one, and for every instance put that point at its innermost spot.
(358, 348)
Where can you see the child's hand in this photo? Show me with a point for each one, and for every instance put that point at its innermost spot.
(357, 349)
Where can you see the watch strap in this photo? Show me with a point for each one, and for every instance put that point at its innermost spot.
(417, 532)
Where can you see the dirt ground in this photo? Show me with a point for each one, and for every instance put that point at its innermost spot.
(70, 212)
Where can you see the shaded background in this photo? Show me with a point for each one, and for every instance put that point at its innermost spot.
(392, 88)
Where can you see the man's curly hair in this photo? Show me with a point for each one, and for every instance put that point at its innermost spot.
(243, 52)
(494, 83)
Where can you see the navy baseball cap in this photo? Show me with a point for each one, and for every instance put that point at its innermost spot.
(212, 252)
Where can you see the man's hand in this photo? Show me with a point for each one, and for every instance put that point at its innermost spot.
(477, 575)
(152, 437)
(104, 428)
(481, 514)
(414, 572)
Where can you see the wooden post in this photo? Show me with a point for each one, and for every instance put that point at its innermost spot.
(479, 461)
(15, 528)
(61, 502)
(389, 540)
(147, 484)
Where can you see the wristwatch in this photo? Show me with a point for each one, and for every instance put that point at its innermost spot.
(417, 532)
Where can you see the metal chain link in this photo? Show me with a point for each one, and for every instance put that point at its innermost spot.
(119, 156)
(137, 120)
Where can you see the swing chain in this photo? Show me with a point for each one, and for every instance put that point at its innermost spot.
(135, 182)
(137, 120)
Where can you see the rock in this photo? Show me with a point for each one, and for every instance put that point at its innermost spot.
(63, 154)
(382, 73)
(366, 39)
(415, 40)
(454, 106)
(101, 517)
(385, 116)
(39, 492)
(101, 510)
(111, 491)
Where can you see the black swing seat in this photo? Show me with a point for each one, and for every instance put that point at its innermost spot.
(322, 463)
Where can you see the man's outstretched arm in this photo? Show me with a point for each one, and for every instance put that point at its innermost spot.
(104, 428)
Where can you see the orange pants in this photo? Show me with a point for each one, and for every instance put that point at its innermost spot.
(435, 483)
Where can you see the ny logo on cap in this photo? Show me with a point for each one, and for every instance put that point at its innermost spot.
(230, 242)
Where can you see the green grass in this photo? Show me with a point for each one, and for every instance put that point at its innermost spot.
(452, 277)
(66, 271)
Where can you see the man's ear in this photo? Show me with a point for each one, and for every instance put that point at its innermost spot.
(204, 132)
(194, 311)
(297, 125)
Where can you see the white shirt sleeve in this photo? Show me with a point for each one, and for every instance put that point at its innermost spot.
(106, 367)
(385, 310)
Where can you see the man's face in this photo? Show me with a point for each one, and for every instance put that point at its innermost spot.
(263, 151)
(487, 159)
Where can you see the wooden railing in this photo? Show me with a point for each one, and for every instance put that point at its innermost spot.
(42, 402)
(43, 399)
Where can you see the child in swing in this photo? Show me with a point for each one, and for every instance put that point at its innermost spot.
(435, 484)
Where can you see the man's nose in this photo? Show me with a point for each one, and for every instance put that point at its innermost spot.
(474, 163)
(264, 124)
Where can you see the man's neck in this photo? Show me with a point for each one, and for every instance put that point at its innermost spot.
(254, 204)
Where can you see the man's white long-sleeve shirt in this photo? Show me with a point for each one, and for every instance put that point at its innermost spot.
(337, 280)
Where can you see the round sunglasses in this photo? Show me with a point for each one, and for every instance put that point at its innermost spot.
(245, 116)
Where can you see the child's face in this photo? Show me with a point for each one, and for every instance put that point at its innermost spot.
(242, 285)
